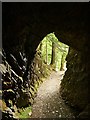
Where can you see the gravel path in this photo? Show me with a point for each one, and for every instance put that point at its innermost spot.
(48, 103)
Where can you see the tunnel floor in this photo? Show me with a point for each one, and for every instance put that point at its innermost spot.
(48, 102)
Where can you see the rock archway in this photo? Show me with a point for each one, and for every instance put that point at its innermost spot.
(25, 25)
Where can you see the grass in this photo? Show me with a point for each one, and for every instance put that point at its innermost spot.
(25, 113)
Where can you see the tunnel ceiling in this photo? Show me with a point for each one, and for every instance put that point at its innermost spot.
(69, 21)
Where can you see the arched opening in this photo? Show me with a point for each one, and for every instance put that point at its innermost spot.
(46, 60)
(24, 26)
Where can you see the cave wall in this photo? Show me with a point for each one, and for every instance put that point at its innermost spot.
(19, 92)
(25, 25)
(74, 86)
(34, 21)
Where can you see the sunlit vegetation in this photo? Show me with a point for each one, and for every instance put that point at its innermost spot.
(25, 113)
(53, 52)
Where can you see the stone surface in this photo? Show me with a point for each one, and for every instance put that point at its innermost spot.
(74, 86)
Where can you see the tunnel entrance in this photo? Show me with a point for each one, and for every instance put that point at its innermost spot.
(40, 68)
(50, 56)
(49, 60)
(23, 69)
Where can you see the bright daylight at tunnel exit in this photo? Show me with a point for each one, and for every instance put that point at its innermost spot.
(45, 61)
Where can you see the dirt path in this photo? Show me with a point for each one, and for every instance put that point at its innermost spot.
(48, 103)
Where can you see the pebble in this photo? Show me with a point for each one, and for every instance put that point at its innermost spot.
(29, 113)
(53, 112)
(56, 111)
(59, 116)
(60, 108)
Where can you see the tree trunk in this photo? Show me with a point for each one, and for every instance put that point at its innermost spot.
(62, 62)
(46, 53)
(53, 54)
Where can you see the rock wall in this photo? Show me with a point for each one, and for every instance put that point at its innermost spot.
(18, 91)
(74, 86)
(25, 25)
(13, 91)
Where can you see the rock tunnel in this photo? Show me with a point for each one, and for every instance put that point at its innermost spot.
(24, 25)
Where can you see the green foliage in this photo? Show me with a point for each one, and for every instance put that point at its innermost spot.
(25, 113)
(61, 50)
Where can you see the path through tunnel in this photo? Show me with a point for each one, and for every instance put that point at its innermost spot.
(48, 102)
(24, 27)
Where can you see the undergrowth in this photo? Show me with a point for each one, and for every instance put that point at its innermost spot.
(25, 112)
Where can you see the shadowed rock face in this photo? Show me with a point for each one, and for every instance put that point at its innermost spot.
(74, 86)
(25, 25)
